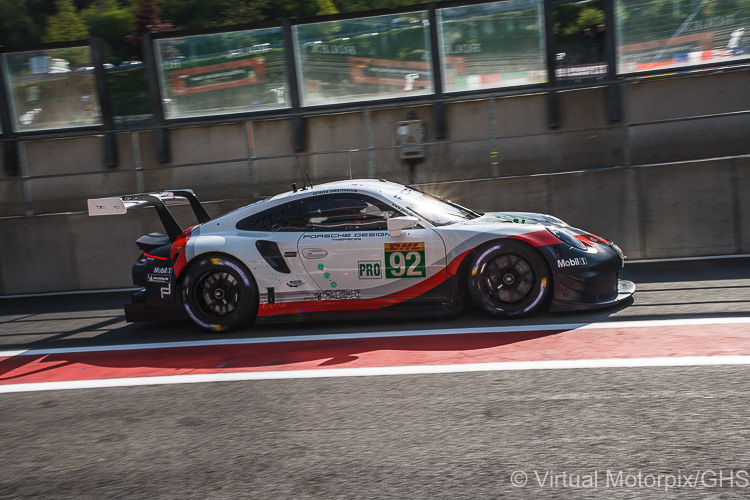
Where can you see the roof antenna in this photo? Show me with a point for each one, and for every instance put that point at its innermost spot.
(308, 178)
(299, 167)
(350, 162)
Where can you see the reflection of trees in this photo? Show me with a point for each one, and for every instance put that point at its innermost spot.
(204, 50)
(501, 32)
(571, 19)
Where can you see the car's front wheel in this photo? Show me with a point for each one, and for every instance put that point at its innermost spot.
(509, 278)
(219, 294)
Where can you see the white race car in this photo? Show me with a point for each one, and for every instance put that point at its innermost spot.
(361, 247)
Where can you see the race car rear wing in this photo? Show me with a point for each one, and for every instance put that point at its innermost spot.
(119, 205)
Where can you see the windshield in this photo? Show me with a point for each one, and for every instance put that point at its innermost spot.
(434, 210)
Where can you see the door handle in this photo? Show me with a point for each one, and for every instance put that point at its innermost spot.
(313, 253)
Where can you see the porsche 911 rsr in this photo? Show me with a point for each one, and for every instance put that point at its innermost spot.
(361, 247)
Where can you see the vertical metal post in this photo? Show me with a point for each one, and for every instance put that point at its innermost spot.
(163, 153)
(111, 154)
(614, 91)
(553, 104)
(298, 125)
(10, 146)
(441, 128)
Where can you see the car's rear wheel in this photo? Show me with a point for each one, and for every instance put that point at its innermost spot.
(509, 278)
(219, 294)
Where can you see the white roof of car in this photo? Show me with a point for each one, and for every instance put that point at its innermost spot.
(346, 186)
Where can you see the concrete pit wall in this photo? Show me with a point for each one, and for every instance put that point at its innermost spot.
(665, 189)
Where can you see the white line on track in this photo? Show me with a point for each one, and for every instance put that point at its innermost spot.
(393, 334)
(688, 259)
(380, 371)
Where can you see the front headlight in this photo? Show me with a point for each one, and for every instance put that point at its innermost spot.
(566, 237)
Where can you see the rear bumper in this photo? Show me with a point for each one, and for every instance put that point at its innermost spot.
(145, 306)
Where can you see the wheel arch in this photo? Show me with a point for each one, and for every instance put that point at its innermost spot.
(465, 267)
(214, 254)
(228, 311)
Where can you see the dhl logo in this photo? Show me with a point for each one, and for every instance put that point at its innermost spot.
(404, 247)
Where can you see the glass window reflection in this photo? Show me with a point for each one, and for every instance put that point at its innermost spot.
(222, 73)
(580, 35)
(655, 35)
(362, 59)
(492, 45)
(52, 89)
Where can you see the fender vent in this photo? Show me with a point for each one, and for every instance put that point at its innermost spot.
(272, 255)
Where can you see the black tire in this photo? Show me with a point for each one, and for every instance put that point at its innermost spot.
(509, 278)
(219, 294)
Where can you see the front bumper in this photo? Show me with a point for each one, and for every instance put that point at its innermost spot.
(587, 279)
(570, 300)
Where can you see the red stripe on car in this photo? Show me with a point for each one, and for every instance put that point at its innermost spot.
(178, 251)
(537, 238)
(309, 306)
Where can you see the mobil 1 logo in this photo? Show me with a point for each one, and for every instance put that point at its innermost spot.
(404, 260)
(370, 269)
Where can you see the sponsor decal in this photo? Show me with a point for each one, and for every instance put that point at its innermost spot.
(581, 71)
(219, 76)
(404, 260)
(576, 261)
(166, 291)
(327, 276)
(158, 278)
(339, 236)
(339, 295)
(295, 283)
(163, 270)
(370, 269)
(398, 73)
(290, 254)
(517, 220)
(464, 48)
(319, 48)
(255, 49)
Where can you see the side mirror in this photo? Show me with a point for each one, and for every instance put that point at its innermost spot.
(396, 224)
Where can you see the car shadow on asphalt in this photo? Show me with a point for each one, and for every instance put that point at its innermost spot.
(36, 328)
(268, 355)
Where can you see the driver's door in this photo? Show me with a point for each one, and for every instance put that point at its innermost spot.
(349, 253)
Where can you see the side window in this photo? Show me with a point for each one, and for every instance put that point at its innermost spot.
(347, 212)
(286, 217)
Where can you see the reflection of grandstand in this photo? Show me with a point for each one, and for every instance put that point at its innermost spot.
(660, 53)
(491, 70)
(334, 75)
(690, 49)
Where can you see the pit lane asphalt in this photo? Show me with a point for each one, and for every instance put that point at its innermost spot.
(418, 436)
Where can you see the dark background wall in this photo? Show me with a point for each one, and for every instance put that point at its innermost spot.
(667, 180)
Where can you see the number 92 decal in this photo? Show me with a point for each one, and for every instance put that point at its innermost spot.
(404, 260)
